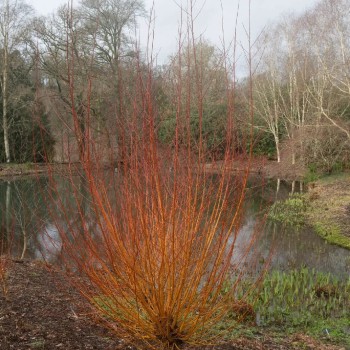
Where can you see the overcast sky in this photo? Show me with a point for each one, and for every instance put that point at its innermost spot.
(209, 22)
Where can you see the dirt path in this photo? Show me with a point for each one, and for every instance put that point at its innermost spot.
(43, 312)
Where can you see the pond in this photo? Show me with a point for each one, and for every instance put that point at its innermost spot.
(29, 232)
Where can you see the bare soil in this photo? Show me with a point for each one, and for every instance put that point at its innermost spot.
(42, 310)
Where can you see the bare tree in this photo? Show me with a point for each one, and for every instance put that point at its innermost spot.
(82, 45)
(329, 31)
(110, 26)
(268, 88)
(65, 62)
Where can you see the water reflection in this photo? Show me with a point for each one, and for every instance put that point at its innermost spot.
(29, 232)
(49, 244)
(295, 248)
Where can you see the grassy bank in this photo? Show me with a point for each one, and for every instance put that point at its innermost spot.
(328, 209)
(325, 207)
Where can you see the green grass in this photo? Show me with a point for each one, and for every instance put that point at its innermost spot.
(331, 232)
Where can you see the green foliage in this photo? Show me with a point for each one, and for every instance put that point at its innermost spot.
(263, 144)
(337, 167)
(29, 136)
(311, 174)
(315, 170)
(304, 301)
(30, 140)
(290, 211)
(296, 297)
(213, 128)
(166, 130)
(314, 173)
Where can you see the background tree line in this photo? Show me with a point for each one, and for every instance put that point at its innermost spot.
(301, 86)
(46, 64)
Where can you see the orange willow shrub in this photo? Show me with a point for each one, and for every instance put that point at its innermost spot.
(154, 239)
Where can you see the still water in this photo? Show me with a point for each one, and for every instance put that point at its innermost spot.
(28, 231)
